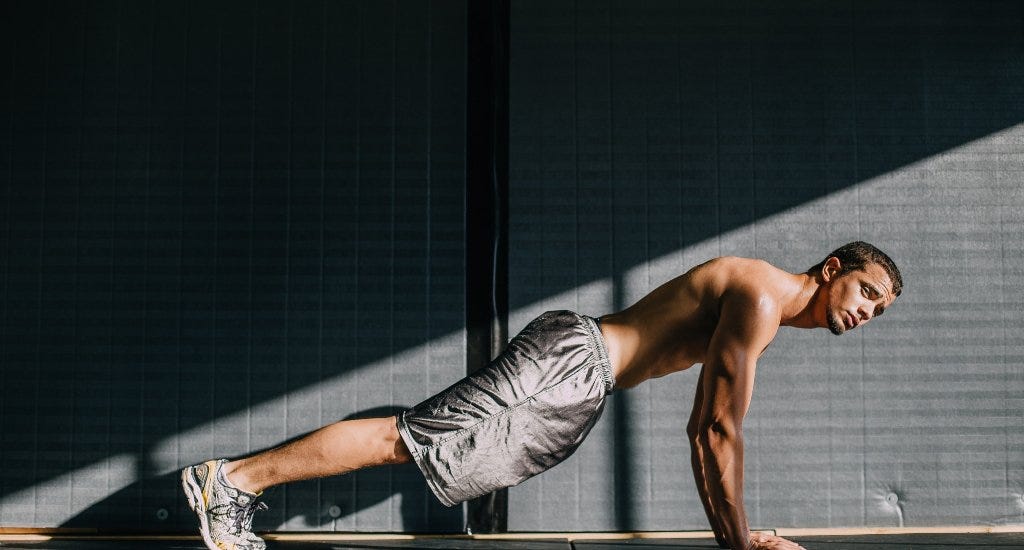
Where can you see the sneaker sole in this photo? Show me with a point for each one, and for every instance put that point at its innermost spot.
(194, 494)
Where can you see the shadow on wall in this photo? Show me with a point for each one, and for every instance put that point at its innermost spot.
(337, 498)
(212, 212)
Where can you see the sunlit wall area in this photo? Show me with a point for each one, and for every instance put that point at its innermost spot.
(647, 138)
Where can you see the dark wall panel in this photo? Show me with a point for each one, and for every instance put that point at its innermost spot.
(224, 224)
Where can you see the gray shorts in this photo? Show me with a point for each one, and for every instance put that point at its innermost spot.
(525, 412)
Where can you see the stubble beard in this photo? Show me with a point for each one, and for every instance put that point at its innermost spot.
(833, 322)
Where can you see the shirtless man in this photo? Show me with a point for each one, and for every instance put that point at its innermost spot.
(533, 405)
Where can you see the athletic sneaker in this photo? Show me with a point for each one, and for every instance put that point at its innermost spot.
(225, 511)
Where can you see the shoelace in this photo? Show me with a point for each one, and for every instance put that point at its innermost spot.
(260, 506)
(241, 520)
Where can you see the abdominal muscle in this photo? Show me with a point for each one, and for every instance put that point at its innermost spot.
(666, 331)
(647, 344)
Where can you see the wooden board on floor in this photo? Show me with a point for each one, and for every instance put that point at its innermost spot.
(901, 541)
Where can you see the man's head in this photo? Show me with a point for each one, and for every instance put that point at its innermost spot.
(860, 282)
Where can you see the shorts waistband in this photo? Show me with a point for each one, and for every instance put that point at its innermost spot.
(597, 343)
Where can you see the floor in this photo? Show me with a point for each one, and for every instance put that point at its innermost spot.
(993, 541)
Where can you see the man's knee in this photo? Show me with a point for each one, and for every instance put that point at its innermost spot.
(399, 451)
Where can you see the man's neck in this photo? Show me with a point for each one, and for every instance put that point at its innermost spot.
(800, 302)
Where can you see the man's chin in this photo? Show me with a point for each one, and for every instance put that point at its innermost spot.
(834, 326)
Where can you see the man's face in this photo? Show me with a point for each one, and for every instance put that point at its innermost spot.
(858, 296)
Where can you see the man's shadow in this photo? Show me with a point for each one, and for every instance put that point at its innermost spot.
(155, 501)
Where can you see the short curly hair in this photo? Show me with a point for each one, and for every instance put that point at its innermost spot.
(856, 255)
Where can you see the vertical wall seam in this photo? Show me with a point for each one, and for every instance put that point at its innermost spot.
(718, 147)
(755, 229)
(750, 140)
(113, 233)
(323, 244)
(77, 233)
(622, 467)
(216, 227)
(143, 459)
(823, 166)
(576, 157)
(252, 220)
(428, 223)
(288, 240)
(429, 184)
(681, 233)
(576, 177)
(12, 48)
(393, 231)
(358, 229)
(856, 177)
(919, 11)
(1004, 348)
(39, 274)
(181, 235)
(646, 177)
(611, 157)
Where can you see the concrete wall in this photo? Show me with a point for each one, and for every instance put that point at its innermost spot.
(225, 224)
(648, 137)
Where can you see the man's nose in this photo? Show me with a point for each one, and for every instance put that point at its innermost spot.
(865, 313)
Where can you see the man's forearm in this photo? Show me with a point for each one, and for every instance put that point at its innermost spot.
(722, 454)
(697, 463)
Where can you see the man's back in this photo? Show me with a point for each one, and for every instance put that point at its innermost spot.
(670, 329)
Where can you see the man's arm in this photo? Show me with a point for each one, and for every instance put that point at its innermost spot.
(747, 323)
(697, 460)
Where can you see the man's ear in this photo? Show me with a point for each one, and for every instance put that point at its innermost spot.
(831, 269)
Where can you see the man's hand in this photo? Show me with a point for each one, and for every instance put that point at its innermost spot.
(764, 541)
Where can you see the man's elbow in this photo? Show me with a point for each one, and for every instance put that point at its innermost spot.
(717, 434)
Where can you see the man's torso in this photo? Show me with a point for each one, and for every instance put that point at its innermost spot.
(669, 329)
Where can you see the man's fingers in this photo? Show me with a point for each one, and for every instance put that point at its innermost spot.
(764, 541)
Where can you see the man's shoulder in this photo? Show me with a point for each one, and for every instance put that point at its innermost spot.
(735, 272)
(727, 262)
(752, 281)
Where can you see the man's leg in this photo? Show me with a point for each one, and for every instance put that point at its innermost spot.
(224, 494)
(335, 449)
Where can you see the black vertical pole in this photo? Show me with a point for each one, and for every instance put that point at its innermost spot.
(487, 211)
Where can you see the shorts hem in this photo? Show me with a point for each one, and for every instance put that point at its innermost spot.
(417, 457)
(597, 343)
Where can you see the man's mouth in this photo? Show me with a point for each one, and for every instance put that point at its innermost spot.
(851, 322)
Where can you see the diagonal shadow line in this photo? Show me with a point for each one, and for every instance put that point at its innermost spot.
(873, 160)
